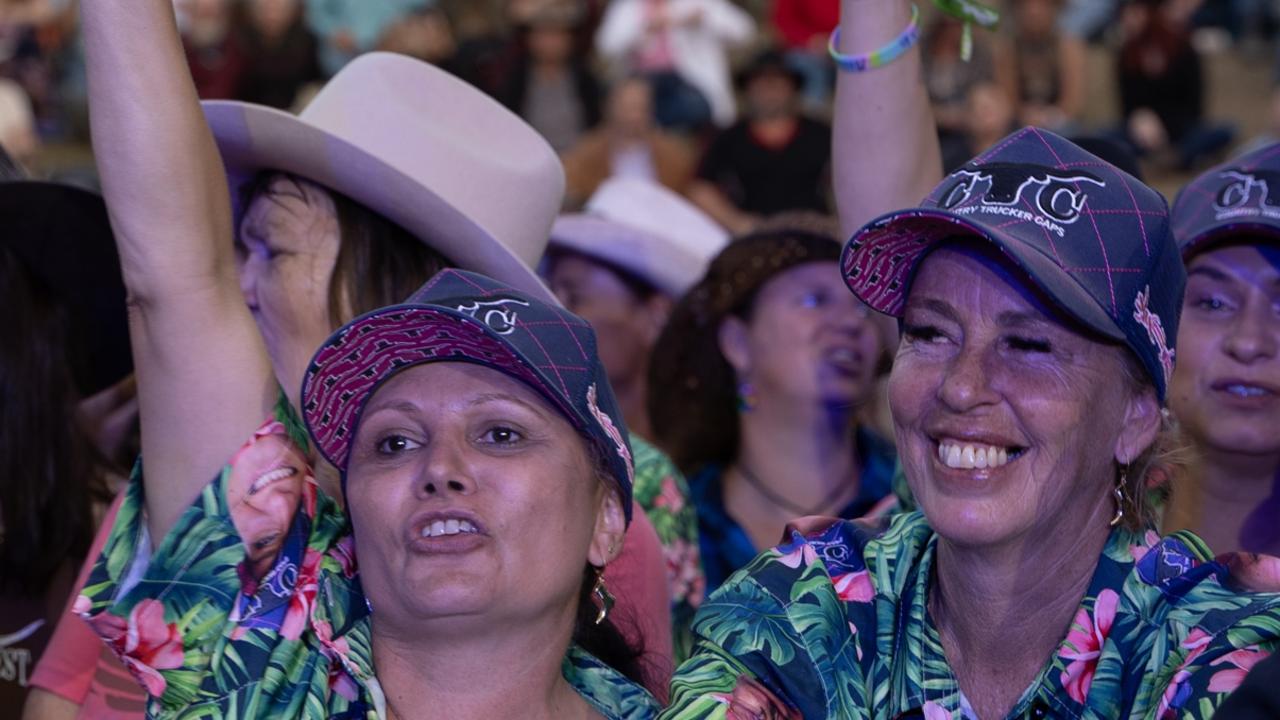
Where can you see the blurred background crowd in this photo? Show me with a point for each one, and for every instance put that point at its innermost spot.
(727, 104)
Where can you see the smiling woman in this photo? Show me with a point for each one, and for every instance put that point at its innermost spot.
(1026, 399)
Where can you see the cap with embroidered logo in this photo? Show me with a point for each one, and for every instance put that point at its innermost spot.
(1236, 200)
(1093, 238)
(460, 316)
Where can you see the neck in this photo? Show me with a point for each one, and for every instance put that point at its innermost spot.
(801, 451)
(632, 396)
(1029, 590)
(1223, 489)
(438, 677)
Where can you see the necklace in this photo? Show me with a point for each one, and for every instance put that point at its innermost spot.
(798, 511)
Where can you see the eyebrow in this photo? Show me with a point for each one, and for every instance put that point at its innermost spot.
(1210, 272)
(937, 306)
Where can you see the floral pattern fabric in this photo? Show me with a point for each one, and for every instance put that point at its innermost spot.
(834, 624)
(662, 492)
(211, 627)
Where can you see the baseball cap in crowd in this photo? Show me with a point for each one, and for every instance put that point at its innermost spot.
(1094, 239)
(460, 316)
(1238, 198)
(646, 230)
(62, 235)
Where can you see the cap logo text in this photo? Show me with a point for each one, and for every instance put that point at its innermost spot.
(1248, 194)
(499, 315)
(1045, 196)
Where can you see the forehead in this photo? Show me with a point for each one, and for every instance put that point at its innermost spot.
(1252, 263)
(454, 383)
(982, 281)
(806, 274)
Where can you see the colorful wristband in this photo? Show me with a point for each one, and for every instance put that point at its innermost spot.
(881, 57)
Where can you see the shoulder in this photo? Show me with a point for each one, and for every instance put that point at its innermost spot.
(608, 691)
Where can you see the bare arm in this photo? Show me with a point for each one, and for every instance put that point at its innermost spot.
(1072, 54)
(711, 201)
(204, 379)
(885, 149)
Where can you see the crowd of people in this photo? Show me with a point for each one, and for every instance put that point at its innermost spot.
(608, 360)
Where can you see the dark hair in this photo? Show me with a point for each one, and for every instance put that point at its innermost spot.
(692, 388)
(379, 263)
(604, 640)
(51, 477)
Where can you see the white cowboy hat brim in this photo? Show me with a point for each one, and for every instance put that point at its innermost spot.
(252, 138)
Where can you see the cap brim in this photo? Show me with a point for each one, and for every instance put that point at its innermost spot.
(881, 260)
(349, 368)
(252, 138)
(1228, 233)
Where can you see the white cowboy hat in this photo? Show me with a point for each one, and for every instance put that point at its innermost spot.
(418, 146)
(645, 229)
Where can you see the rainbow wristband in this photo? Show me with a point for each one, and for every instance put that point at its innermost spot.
(881, 57)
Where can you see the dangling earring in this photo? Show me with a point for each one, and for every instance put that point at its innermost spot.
(1119, 495)
(747, 399)
(602, 595)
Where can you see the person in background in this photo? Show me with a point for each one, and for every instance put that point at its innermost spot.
(990, 117)
(773, 160)
(1047, 81)
(683, 47)
(347, 28)
(1226, 389)
(280, 53)
(803, 27)
(628, 144)
(550, 83)
(64, 344)
(621, 265)
(1162, 88)
(427, 35)
(754, 390)
(215, 49)
(950, 81)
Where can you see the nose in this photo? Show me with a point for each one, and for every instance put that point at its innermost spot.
(966, 382)
(446, 471)
(1253, 334)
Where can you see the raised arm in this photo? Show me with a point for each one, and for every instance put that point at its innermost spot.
(885, 149)
(204, 378)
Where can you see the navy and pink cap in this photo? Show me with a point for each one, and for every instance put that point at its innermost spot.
(460, 316)
(1093, 238)
(1238, 200)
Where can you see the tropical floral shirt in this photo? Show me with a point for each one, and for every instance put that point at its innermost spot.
(834, 624)
(726, 547)
(662, 492)
(209, 636)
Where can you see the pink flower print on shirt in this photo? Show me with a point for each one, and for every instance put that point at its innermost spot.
(1149, 540)
(854, 587)
(752, 701)
(304, 596)
(934, 711)
(802, 554)
(1084, 644)
(145, 643)
(669, 496)
(1195, 642)
(1243, 659)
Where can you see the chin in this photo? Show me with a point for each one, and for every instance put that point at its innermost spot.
(1246, 438)
(970, 522)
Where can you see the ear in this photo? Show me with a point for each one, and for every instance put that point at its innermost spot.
(654, 312)
(611, 527)
(733, 344)
(1141, 425)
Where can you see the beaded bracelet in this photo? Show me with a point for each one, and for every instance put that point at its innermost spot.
(881, 57)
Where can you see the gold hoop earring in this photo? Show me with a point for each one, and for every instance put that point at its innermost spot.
(1118, 493)
(602, 595)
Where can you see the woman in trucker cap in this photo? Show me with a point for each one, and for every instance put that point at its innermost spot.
(1039, 290)
(1226, 389)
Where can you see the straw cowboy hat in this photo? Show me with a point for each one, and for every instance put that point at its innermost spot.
(645, 229)
(418, 146)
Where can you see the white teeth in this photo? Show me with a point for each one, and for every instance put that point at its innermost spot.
(1246, 390)
(268, 478)
(452, 526)
(970, 457)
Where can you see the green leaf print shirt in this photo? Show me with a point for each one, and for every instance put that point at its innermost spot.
(242, 612)
(834, 624)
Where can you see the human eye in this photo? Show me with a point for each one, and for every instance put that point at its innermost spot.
(1210, 303)
(921, 333)
(814, 298)
(394, 444)
(1029, 344)
(501, 435)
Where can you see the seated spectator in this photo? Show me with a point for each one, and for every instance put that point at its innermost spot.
(347, 28)
(803, 28)
(424, 34)
(1048, 68)
(990, 117)
(280, 53)
(549, 84)
(628, 144)
(773, 160)
(1162, 88)
(950, 79)
(682, 46)
(215, 51)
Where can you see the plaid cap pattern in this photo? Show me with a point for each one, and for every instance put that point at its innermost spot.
(1092, 237)
(460, 316)
(1238, 197)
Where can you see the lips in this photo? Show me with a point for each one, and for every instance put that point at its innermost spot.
(845, 359)
(446, 531)
(976, 454)
(1244, 389)
(272, 476)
